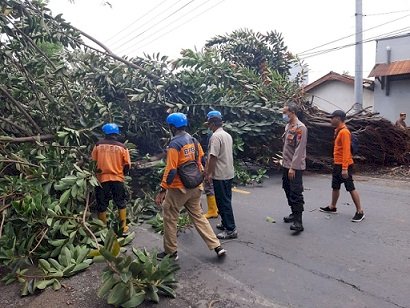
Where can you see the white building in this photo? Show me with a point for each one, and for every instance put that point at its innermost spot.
(392, 74)
(336, 91)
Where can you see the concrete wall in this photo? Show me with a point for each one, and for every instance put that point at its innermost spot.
(398, 100)
(400, 49)
(334, 95)
(399, 96)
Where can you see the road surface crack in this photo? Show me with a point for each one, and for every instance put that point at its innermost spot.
(320, 274)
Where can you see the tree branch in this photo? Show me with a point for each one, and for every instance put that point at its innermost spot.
(21, 108)
(3, 214)
(84, 223)
(18, 162)
(23, 130)
(27, 139)
(39, 241)
(70, 96)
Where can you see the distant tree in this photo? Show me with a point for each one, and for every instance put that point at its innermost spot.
(255, 50)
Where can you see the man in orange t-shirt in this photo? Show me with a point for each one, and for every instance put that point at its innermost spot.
(343, 166)
(113, 162)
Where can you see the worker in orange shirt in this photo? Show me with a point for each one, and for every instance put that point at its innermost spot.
(343, 166)
(113, 162)
(175, 193)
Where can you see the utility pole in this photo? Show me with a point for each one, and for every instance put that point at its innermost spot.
(358, 77)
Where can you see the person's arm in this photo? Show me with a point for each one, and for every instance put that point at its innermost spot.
(94, 154)
(201, 157)
(169, 175)
(346, 151)
(127, 162)
(170, 168)
(210, 166)
(301, 141)
(214, 150)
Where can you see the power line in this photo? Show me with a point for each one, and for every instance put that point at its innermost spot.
(162, 20)
(167, 25)
(180, 25)
(345, 37)
(380, 36)
(135, 21)
(386, 13)
(395, 32)
(166, 9)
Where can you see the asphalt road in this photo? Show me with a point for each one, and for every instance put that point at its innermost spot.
(333, 263)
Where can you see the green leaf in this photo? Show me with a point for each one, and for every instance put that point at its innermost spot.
(167, 291)
(65, 257)
(44, 265)
(107, 285)
(127, 240)
(56, 285)
(80, 267)
(135, 300)
(57, 243)
(117, 294)
(44, 284)
(152, 293)
(65, 197)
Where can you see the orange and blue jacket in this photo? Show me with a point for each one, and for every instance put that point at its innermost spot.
(342, 154)
(112, 158)
(180, 150)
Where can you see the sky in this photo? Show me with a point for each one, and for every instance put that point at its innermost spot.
(135, 27)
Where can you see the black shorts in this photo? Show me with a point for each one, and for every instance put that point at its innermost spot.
(338, 180)
(110, 190)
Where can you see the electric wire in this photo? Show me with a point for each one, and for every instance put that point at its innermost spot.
(180, 25)
(348, 36)
(135, 21)
(131, 48)
(151, 27)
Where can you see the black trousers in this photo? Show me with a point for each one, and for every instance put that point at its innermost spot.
(294, 190)
(223, 196)
(110, 190)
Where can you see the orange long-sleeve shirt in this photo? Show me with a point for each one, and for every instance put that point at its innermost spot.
(342, 154)
(181, 149)
(111, 157)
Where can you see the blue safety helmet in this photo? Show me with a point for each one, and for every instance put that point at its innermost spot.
(214, 114)
(177, 119)
(111, 129)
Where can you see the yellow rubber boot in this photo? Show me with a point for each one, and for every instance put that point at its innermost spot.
(103, 217)
(212, 209)
(123, 219)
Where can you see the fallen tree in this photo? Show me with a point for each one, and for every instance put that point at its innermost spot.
(56, 92)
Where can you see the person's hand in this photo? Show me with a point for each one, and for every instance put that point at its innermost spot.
(159, 199)
(291, 174)
(207, 177)
(345, 174)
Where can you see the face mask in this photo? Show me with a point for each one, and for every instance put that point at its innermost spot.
(285, 117)
(209, 132)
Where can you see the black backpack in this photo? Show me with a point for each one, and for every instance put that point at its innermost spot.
(354, 142)
(355, 145)
(190, 173)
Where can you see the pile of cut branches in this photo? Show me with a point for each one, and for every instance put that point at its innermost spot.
(380, 142)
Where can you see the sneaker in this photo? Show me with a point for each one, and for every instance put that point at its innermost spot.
(220, 251)
(163, 255)
(220, 226)
(358, 217)
(226, 235)
(328, 209)
(289, 218)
